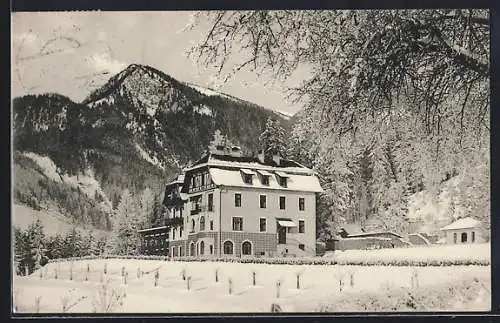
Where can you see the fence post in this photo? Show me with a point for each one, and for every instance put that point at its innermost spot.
(157, 276)
(298, 281)
(37, 304)
(253, 274)
(278, 286)
(189, 283)
(230, 282)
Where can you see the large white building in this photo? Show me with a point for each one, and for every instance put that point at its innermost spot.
(229, 204)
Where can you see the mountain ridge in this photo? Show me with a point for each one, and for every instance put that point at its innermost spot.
(136, 131)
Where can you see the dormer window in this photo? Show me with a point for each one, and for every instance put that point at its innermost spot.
(282, 179)
(264, 176)
(247, 176)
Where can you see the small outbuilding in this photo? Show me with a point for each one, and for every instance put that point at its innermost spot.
(465, 230)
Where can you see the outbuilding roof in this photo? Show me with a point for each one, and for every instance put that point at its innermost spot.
(465, 223)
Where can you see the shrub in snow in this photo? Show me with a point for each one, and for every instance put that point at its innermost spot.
(275, 308)
(55, 273)
(216, 275)
(183, 273)
(68, 301)
(253, 277)
(108, 299)
(105, 270)
(278, 288)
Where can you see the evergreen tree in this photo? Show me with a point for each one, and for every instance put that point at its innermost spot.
(273, 139)
(147, 207)
(126, 238)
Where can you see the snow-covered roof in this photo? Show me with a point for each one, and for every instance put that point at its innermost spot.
(375, 233)
(152, 229)
(264, 172)
(281, 174)
(296, 182)
(464, 223)
(247, 171)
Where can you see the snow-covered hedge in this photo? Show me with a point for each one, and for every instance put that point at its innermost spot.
(478, 255)
(253, 260)
(470, 254)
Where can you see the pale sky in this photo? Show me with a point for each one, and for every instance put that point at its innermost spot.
(72, 53)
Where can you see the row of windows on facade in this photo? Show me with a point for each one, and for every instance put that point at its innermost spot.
(463, 237)
(237, 225)
(264, 179)
(200, 180)
(199, 249)
(196, 202)
(204, 179)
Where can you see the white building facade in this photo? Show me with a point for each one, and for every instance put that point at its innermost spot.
(244, 206)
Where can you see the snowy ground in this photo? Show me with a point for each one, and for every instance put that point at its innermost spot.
(440, 288)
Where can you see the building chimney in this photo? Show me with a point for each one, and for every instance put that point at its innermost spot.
(276, 158)
(235, 151)
(260, 156)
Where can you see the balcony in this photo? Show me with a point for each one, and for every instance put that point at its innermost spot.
(174, 222)
(201, 188)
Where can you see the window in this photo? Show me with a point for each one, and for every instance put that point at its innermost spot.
(173, 234)
(263, 200)
(283, 181)
(464, 237)
(237, 200)
(237, 223)
(454, 238)
(246, 248)
(180, 251)
(192, 225)
(301, 226)
(180, 231)
(282, 202)
(228, 247)
(211, 249)
(302, 202)
(210, 202)
(202, 223)
(247, 178)
(195, 204)
(211, 225)
(302, 246)
(263, 224)
(265, 180)
(191, 249)
(202, 248)
(473, 236)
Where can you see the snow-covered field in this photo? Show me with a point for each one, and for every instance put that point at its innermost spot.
(441, 288)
